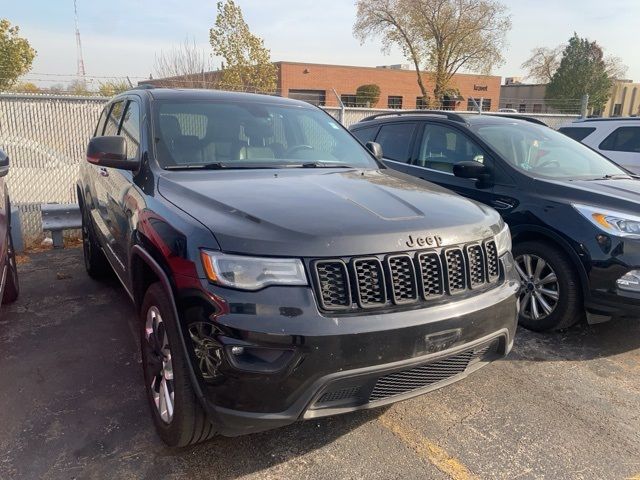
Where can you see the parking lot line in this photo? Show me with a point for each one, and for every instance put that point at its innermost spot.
(425, 448)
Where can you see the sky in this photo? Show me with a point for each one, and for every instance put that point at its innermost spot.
(122, 37)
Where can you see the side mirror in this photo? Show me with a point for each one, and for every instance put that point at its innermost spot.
(110, 151)
(375, 149)
(4, 164)
(471, 169)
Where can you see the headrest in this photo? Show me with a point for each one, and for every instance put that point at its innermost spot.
(169, 126)
(258, 128)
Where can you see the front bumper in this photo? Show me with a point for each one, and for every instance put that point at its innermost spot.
(338, 364)
(610, 261)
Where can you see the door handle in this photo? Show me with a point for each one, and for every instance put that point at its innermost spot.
(103, 172)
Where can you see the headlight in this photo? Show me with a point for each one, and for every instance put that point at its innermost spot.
(620, 224)
(503, 240)
(252, 273)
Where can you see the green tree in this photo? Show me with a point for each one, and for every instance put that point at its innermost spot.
(582, 71)
(16, 55)
(113, 87)
(368, 95)
(247, 62)
(443, 36)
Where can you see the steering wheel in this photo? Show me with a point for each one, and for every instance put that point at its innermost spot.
(299, 147)
(550, 162)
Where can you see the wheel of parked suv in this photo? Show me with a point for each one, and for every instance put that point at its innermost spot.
(11, 287)
(550, 295)
(94, 260)
(177, 413)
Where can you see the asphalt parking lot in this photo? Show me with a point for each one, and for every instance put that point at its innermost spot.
(560, 406)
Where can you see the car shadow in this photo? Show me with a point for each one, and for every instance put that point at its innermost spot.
(239, 456)
(580, 342)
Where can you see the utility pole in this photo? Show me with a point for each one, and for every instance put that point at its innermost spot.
(81, 72)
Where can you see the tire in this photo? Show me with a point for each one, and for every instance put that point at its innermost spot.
(12, 286)
(567, 306)
(95, 262)
(164, 361)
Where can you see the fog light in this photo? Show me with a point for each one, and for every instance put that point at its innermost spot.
(630, 281)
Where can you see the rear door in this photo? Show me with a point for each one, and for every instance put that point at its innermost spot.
(101, 181)
(436, 149)
(622, 146)
(118, 184)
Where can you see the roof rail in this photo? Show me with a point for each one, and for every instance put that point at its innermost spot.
(450, 115)
(607, 119)
(520, 117)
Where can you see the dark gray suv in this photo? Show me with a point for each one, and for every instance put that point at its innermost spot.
(280, 271)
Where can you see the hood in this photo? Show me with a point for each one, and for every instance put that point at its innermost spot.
(621, 194)
(322, 212)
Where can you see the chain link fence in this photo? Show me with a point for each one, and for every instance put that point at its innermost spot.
(46, 136)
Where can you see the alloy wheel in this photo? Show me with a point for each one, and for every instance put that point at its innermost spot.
(160, 365)
(540, 289)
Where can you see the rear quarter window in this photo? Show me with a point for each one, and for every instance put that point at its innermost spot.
(366, 134)
(577, 133)
(622, 139)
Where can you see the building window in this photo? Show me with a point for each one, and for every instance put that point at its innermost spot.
(349, 100)
(421, 103)
(522, 107)
(617, 110)
(472, 104)
(537, 108)
(508, 105)
(394, 101)
(315, 97)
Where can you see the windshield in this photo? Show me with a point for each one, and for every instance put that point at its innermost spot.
(541, 151)
(224, 134)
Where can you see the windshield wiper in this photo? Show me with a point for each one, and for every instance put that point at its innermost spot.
(617, 176)
(323, 165)
(220, 166)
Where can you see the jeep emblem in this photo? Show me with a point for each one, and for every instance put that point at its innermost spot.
(426, 240)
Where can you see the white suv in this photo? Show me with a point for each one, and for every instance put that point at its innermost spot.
(616, 138)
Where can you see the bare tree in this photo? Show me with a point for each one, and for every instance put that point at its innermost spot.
(543, 63)
(444, 36)
(614, 66)
(391, 20)
(183, 66)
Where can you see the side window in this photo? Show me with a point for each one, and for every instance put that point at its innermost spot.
(442, 147)
(113, 121)
(577, 133)
(100, 126)
(130, 129)
(395, 139)
(623, 139)
(365, 134)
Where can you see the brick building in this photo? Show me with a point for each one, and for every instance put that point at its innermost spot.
(315, 83)
(398, 86)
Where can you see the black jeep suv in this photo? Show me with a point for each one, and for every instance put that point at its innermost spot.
(280, 271)
(573, 213)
